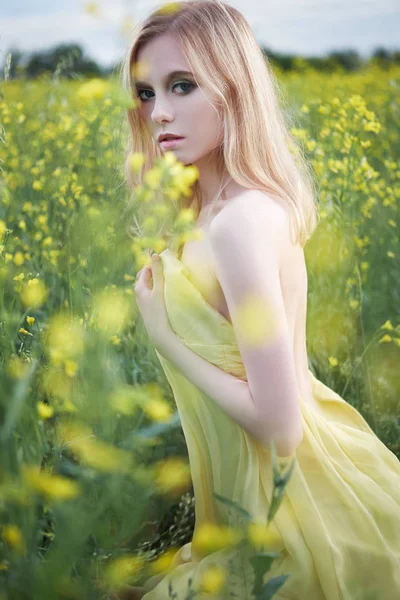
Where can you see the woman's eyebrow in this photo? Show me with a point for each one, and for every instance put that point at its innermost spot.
(168, 77)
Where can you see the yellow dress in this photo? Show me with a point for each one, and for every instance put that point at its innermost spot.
(339, 521)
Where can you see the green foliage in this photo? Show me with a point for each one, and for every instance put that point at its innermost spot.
(86, 414)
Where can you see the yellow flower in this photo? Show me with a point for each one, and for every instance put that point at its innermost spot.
(255, 318)
(387, 325)
(53, 487)
(213, 579)
(158, 410)
(18, 258)
(122, 570)
(71, 367)
(385, 338)
(112, 310)
(95, 88)
(124, 400)
(211, 537)
(153, 177)
(265, 536)
(17, 368)
(65, 339)
(163, 562)
(13, 536)
(333, 361)
(45, 411)
(169, 8)
(30, 320)
(137, 160)
(92, 8)
(172, 475)
(95, 453)
(3, 228)
(186, 215)
(34, 293)
(24, 331)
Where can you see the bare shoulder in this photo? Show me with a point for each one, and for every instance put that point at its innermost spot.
(256, 209)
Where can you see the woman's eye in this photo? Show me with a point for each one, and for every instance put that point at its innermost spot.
(187, 83)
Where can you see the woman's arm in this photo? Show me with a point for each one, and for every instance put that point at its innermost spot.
(229, 392)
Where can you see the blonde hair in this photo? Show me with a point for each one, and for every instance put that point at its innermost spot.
(258, 150)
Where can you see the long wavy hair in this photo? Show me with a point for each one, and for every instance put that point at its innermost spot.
(258, 151)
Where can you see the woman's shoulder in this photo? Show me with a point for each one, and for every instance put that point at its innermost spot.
(256, 206)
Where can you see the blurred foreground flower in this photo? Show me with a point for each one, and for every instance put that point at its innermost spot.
(265, 537)
(53, 487)
(163, 562)
(213, 579)
(112, 310)
(122, 571)
(92, 8)
(45, 411)
(12, 535)
(172, 475)
(94, 453)
(256, 318)
(64, 338)
(17, 367)
(34, 293)
(211, 537)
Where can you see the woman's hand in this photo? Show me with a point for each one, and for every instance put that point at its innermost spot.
(151, 301)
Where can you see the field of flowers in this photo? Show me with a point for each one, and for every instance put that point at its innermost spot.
(91, 450)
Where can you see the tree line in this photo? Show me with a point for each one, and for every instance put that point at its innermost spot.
(69, 61)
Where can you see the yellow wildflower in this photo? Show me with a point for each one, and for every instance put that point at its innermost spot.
(172, 475)
(53, 487)
(64, 338)
(265, 537)
(211, 537)
(153, 177)
(24, 331)
(95, 453)
(213, 579)
(163, 562)
(30, 320)
(45, 411)
(12, 535)
(34, 293)
(136, 161)
(255, 318)
(18, 258)
(122, 570)
(71, 367)
(112, 310)
(95, 88)
(158, 410)
(17, 368)
(92, 8)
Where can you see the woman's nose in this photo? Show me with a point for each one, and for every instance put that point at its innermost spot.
(161, 112)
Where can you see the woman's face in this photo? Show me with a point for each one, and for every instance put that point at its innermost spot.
(175, 104)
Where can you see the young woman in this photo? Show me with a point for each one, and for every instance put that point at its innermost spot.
(238, 386)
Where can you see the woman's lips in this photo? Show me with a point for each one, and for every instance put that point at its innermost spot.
(171, 143)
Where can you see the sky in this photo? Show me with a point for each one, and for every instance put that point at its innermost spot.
(307, 27)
